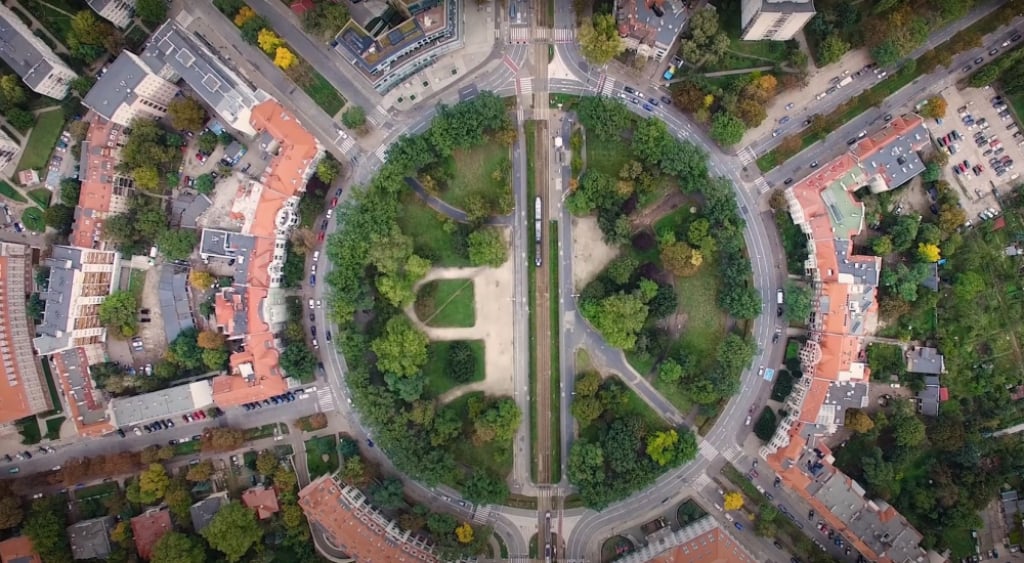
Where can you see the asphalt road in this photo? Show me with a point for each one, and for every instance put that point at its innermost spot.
(835, 143)
(827, 104)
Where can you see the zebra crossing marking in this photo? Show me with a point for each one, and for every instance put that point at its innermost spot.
(707, 450)
(747, 155)
(563, 35)
(525, 85)
(762, 184)
(325, 399)
(519, 35)
(608, 86)
(381, 152)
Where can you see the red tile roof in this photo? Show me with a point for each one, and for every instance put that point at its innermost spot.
(18, 550)
(86, 430)
(356, 528)
(714, 546)
(97, 180)
(263, 500)
(148, 529)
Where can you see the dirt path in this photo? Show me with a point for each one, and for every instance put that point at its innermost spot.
(542, 315)
(670, 201)
(492, 289)
(590, 254)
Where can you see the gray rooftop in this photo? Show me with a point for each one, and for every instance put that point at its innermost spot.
(91, 406)
(226, 245)
(24, 54)
(897, 161)
(174, 301)
(90, 539)
(117, 85)
(174, 53)
(894, 537)
(204, 511)
(864, 271)
(52, 333)
(929, 399)
(186, 209)
(241, 317)
(161, 404)
(922, 359)
(786, 6)
(842, 396)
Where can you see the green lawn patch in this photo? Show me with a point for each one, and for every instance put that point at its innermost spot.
(53, 427)
(259, 432)
(430, 237)
(41, 196)
(41, 141)
(555, 402)
(475, 169)
(325, 95)
(28, 427)
(794, 241)
(33, 220)
(136, 281)
(635, 406)
(51, 385)
(494, 457)
(10, 193)
(322, 455)
(186, 448)
(92, 501)
(447, 303)
(56, 22)
(607, 157)
(530, 130)
(705, 323)
(792, 350)
(438, 377)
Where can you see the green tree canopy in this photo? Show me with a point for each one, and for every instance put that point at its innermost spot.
(233, 531)
(177, 244)
(354, 117)
(187, 114)
(402, 349)
(599, 39)
(153, 483)
(487, 247)
(175, 547)
(298, 361)
(119, 312)
(726, 129)
(619, 318)
(151, 12)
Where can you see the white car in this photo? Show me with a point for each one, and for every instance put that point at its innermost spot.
(729, 517)
(747, 423)
(330, 212)
(316, 255)
(311, 303)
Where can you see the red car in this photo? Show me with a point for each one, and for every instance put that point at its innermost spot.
(334, 202)
(199, 414)
(320, 237)
(200, 157)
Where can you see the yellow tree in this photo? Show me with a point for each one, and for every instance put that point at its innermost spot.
(268, 41)
(660, 446)
(284, 59)
(244, 15)
(858, 421)
(733, 501)
(210, 340)
(935, 107)
(464, 533)
(201, 280)
(928, 252)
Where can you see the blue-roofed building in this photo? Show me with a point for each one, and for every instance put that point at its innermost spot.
(402, 40)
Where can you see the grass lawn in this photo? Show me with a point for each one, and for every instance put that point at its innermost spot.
(51, 385)
(136, 281)
(427, 228)
(41, 196)
(317, 449)
(28, 427)
(530, 130)
(794, 242)
(705, 322)
(265, 431)
(493, 457)
(42, 140)
(447, 303)
(635, 406)
(186, 448)
(729, 16)
(436, 371)
(10, 193)
(1017, 103)
(324, 94)
(92, 500)
(555, 385)
(473, 170)
(607, 157)
(32, 218)
(57, 23)
(53, 427)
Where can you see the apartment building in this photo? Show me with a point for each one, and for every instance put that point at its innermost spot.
(774, 20)
(80, 278)
(834, 358)
(266, 210)
(23, 391)
(9, 150)
(173, 54)
(650, 27)
(401, 40)
(105, 190)
(353, 525)
(117, 12)
(34, 61)
(700, 542)
(87, 406)
(127, 90)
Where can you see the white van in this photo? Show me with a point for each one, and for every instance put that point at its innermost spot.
(316, 255)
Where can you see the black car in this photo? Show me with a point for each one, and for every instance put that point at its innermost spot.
(979, 60)
(788, 181)
(629, 90)
(778, 311)
(172, 442)
(777, 544)
(120, 432)
(312, 317)
(324, 224)
(775, 338)
(666, 100)
(312, 330)
(27, 454)
(320, 366)
(851, 140)
(328, 336)
(888, 117)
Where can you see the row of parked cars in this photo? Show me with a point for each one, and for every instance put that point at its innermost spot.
(275, 400)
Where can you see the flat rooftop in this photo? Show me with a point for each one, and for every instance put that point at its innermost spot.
(161, 404)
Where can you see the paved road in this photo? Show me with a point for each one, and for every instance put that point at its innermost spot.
(827, 104)
(835, 143)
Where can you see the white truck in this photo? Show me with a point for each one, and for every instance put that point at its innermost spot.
(844, 82)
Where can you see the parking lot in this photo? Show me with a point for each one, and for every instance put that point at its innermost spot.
(984, 144)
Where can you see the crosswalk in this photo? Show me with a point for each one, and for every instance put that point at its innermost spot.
(347, 144)
(381, 152)
(747, 155)
(707, 450)
(732, 454)
(561, 35)
(701, 481)
(762, 184)
(325, 399)
(607, 85)
(521, 115)
(524, 85)
(482, 514)
(518, 35)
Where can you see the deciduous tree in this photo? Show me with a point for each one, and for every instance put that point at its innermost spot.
(487, 247)
(681, 259)
(354, 117)
(935, 107)
(151, 12)
(733, 501)
(402, 349)
(268, 41)
(233, 531)
(858, 421)
(619, 318)
(175, 547)
(928, 252)
(11, 513)
(118, 312)
(284, 59)
(153, 483)
(464, 533)
(832, 49)
(599, 39)
(177, 244)
(205, 184)
(726, 129)
(186, 114)
(201, 279)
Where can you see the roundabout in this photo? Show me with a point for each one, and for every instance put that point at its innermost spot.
(585, 529)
